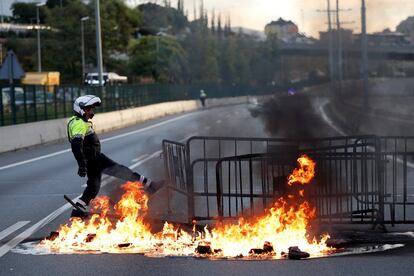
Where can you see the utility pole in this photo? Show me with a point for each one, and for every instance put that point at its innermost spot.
(39, 54)
(364, 51)
(1, 10)
(335, 56)
(330, 44)
(339, 34)
(331, 60)
(82, 20)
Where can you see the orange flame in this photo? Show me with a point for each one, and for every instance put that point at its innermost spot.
(305, 173)
(283, 225)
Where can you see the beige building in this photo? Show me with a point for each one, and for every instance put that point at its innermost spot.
(282, 28)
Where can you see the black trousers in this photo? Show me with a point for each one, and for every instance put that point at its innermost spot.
(102, 164)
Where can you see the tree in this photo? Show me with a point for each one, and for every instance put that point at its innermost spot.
(26, 13)
(161, 58)
(192, 53)
(62, 46)
(118, 25)
(57, 3)
(407, 27)
(23, 48)
(202, 51)
(157, 17)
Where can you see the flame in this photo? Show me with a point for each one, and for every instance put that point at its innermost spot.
(125, 231)
(305, 173)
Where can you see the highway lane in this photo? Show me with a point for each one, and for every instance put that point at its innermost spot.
(33, 190)
(118, 264)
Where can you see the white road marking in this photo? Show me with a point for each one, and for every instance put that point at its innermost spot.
(146, 128)
(34, 159)
(328, 120)
(36, 227)
(28, 232)
(139, 158)
(337, 129)
(103, 140)
(139, 163)
(12, 229)
(218, 122)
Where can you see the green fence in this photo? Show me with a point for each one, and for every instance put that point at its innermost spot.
(29, 103)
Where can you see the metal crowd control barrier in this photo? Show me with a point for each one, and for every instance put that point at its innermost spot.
(176, 164)
(362, 180)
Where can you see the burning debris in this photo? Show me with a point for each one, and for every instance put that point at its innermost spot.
(296, 254)
(270, 235)
(204, 248)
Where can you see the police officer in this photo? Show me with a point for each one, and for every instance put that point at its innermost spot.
(91, 162)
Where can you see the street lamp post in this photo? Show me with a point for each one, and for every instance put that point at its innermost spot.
(39, 56)
(83, 19)
(98, 43)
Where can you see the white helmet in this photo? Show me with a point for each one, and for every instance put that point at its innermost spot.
(85, 101)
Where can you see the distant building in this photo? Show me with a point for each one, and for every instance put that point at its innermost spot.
(282, 28)
(384, 38)
(347, 37)
(300, 38)
(287, 32)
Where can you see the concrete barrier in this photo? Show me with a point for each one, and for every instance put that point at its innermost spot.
(26, 135)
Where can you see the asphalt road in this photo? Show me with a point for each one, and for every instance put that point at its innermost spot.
(33, 181)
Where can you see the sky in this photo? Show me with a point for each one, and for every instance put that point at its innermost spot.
(255, 14)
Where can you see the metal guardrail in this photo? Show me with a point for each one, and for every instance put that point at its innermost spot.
(29, 103)
(359, 179)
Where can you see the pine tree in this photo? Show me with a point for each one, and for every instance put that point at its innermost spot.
(194, 11)
(205, 20)
(167, 3)
(227, 27)
(213, 23)
(219, 29)
(201, 10)
(180, 6)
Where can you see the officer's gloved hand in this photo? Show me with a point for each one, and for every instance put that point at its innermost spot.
(82, 171)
